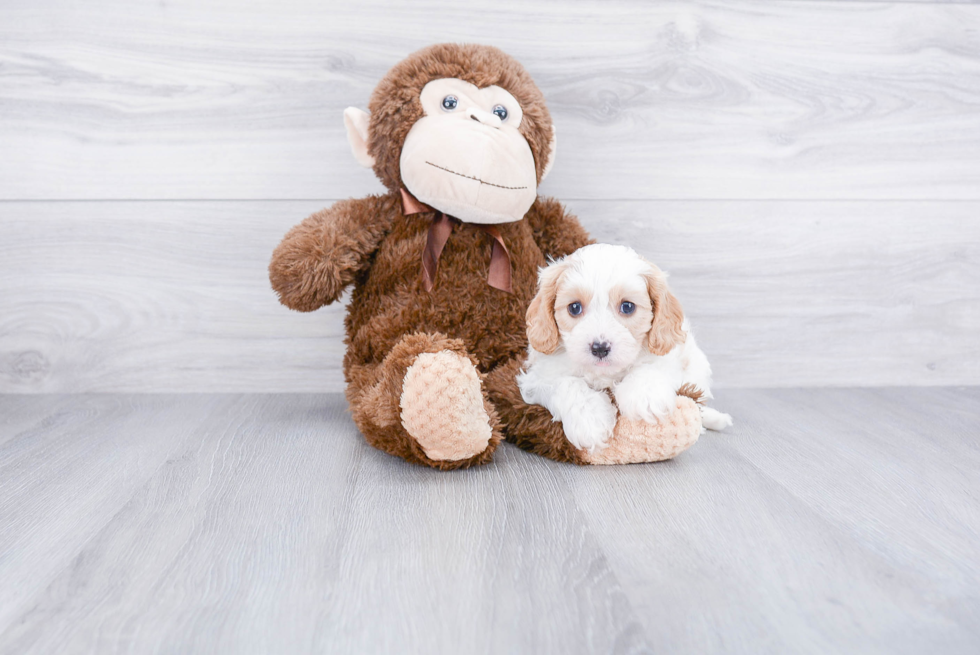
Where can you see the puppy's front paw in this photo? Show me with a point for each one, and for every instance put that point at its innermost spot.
(638, 402)
(590, 423)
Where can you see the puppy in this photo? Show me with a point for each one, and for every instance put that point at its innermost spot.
(603, 320)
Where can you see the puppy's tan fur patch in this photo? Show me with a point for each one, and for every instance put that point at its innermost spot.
(566, 296)
(639, 322)
(668, 316)
(542, 330)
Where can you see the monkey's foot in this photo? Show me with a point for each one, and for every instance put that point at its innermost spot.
(442, 406)
(639, 441)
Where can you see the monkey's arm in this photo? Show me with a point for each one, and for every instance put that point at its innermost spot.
(318, 258)
(556, 232)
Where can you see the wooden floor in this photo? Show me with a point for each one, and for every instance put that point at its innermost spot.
(827, 521)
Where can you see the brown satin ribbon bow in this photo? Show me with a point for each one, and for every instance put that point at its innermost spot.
(442, 226)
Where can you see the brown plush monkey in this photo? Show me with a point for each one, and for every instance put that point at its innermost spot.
(445, 264)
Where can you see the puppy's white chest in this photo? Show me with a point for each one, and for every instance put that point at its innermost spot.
(600, 382)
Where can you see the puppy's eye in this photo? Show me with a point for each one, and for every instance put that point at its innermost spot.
(449, 103)
(627, 307)
(575, 308)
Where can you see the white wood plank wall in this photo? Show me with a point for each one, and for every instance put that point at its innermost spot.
(809, 172)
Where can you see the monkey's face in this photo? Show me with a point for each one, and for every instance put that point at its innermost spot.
(466, 157)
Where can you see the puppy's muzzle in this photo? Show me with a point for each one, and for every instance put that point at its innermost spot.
(600, 349)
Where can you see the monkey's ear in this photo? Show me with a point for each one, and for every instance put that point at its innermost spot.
(356, 121)
(551, 152)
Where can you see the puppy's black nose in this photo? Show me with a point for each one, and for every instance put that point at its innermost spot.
(600, 349)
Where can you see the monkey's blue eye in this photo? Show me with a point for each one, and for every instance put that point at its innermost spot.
(501, 112)
(449, 103)
(627, 307)
(575, 308)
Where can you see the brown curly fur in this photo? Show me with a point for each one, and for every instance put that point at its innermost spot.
(395, 104)
(374, 390)
(391, 319)
(693, 392)
(530, 427)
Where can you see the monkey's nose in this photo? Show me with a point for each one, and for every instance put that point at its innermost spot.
(600, 349)
(485, 117)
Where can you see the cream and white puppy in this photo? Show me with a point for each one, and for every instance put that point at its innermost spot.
(604, 319)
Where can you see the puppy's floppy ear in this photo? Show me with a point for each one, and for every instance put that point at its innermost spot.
(542, 330)
(668, 317)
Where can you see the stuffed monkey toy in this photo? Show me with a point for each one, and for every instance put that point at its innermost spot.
(444, 265)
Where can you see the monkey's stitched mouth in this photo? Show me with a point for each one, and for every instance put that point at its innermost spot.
(470, 177)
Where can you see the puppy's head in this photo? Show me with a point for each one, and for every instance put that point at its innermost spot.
(603, 304)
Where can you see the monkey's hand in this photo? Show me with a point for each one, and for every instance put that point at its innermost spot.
(556, 232)
(318, 258)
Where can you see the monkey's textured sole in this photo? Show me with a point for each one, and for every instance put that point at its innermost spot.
(442, 406)
(639, 441)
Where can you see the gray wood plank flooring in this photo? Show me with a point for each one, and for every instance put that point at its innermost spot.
(830, 520)
(174, 296)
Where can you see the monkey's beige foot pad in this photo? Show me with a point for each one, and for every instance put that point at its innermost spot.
(639, 441)
(442, 406)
